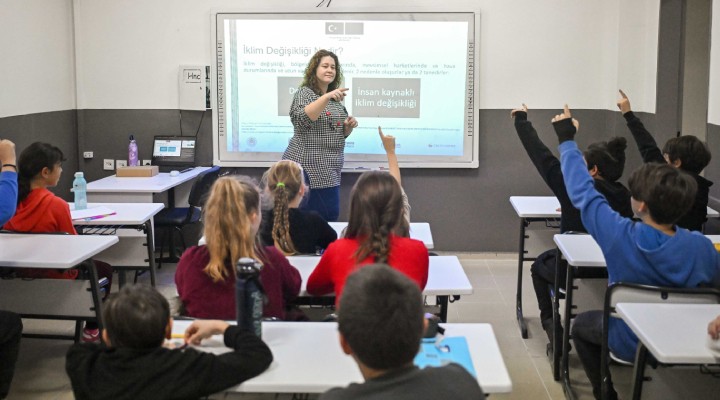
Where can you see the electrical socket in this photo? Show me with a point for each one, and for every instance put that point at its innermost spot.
(88, 154)
(121, 163)
(108, 164)
(146, 162)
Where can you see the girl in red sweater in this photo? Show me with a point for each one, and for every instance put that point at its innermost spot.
(377, 232)
(205, 275)
(40, 211)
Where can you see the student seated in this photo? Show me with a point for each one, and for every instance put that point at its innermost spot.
(40, 211)
(685, 152)
(653, 252)
(377, 232)
(10, 323)
(286, 226)
(605, 163)
(205, 275)
(381, 324)
(133, 364)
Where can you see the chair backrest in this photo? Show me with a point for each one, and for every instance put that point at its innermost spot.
(201, 187)
(622, 292)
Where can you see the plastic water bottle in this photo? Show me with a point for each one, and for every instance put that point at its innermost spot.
(80, 190)
(132, 153)
(249, 296)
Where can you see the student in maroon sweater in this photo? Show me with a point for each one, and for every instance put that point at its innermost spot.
(205, 275)
(377, 232)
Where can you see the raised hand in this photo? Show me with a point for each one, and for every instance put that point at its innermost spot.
(565, 125)
(523, 109)
(388, 141)
(624, 103)
(337, 94)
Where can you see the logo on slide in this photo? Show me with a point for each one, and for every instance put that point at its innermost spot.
(251, 142)
(334, 28)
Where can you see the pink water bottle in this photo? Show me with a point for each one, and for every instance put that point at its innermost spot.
(132, 153)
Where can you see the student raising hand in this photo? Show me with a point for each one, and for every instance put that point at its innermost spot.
(624, 103)
(565, 125)
(523, 109)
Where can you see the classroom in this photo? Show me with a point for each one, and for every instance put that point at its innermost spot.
(84, 75)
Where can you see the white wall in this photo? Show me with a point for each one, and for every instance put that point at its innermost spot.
(37, 68)
(543, 53)
(714, 97)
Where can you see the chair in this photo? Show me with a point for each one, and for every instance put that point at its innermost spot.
(176, 218)
(622, 292)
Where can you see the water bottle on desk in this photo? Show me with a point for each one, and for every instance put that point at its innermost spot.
(249, 296)
(80, 190)
(132, 153)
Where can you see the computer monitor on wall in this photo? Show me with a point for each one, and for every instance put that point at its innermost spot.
(171, 152)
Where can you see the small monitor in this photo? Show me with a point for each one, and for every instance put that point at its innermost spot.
(174, 151)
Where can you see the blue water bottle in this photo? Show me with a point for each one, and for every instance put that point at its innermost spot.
(132, 153)
(249, 296)
(80, 190)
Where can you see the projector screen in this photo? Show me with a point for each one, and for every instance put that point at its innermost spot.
(411, 73)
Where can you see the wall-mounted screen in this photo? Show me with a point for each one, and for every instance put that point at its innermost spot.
(411, 73)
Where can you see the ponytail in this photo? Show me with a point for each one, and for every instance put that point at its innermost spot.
(284, 181)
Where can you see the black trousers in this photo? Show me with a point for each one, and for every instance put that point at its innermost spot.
(587, 338)
(10, 333)
(542, 272)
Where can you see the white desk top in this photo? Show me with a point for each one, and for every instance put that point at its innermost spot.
(656, 325)
(712, 213)
(583, 250)
(445, 276)
(580, 250)
(418, 230)
(126, 213)
(308, 357)
(50, 251)
(156, 184)
(536, 206)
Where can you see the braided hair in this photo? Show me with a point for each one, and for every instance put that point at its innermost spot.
(284, 181)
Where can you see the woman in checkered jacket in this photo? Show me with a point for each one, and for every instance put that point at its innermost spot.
(321, 125)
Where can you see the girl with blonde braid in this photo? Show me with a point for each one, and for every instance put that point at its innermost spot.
(287, 227)
(377, 232)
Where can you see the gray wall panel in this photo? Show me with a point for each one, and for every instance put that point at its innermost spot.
(712, 171)
(57, 128)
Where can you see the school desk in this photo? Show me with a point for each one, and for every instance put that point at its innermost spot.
(418, 231)
(446, 278)
(531, 209)
(307, 357)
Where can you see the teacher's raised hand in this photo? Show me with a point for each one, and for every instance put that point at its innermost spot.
(337, 94)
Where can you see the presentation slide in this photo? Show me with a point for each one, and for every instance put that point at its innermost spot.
(410, 74)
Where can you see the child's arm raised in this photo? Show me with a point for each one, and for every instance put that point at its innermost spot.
(649, 150)
(599, 219)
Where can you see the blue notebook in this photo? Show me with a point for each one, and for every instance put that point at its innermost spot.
(449, 350)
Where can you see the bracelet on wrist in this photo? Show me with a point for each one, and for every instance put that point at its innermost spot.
(10, 165)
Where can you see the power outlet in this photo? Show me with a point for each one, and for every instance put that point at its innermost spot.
(88, 154)
(109, 164)
(146, 162)
(121, 163)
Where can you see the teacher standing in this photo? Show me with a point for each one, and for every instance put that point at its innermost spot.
(321, 124)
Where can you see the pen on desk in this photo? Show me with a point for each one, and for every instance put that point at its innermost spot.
(361, 168)
(187, 170)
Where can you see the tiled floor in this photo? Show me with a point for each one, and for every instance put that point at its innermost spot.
(40, 371)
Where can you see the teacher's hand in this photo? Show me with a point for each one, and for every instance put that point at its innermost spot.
(337, 94)
(349, 124)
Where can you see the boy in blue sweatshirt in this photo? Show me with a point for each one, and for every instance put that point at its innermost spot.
(653, 252)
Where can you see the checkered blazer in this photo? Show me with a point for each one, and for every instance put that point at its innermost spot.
(317, 145)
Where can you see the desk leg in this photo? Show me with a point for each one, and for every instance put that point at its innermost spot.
(557, 325)
(442, 301)
(640, 360)
(151, 249)
(518, 298)
(569, 288)
(172, 256)
(95, 289)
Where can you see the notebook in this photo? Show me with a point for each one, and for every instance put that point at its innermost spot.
(448, 350)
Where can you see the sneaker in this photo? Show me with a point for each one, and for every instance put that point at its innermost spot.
(90, 335)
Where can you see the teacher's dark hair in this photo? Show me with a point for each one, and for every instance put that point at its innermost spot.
(310, 78)
(31, 162)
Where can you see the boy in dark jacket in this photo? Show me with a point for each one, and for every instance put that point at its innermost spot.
(685, 152)
(133, 364)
